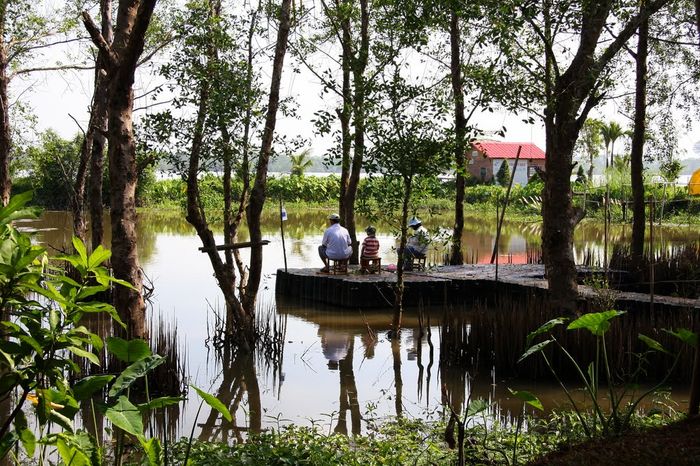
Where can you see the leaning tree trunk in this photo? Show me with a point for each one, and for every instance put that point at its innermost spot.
(257, 196)
(637, 153)
(456, 257)
(5, 131)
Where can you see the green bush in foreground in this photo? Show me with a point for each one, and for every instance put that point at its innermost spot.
(488, 441)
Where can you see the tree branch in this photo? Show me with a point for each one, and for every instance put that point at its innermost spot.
(52, 68)
(98, 40)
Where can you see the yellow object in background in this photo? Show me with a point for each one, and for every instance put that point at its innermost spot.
(694, 184)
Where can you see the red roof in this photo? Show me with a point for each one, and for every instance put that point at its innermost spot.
(508, 150)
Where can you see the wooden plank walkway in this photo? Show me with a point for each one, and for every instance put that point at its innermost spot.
(444, 285)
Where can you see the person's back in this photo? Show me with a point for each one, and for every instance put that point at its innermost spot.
(370, 245)
(337, 241)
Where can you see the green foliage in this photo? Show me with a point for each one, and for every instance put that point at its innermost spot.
(52, 165)
(622, 396)
(42, 337)
(503, 174)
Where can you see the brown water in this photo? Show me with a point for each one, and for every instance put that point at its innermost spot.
(337, 364)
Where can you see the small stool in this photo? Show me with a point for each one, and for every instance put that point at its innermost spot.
(371, 265)
(338, 266)
(418, 263)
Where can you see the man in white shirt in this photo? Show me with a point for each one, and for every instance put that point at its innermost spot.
(336, 243)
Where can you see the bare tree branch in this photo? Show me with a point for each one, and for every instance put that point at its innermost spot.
(52, 68)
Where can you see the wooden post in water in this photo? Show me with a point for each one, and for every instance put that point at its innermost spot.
(283, 217)
(505, 204)
(498, 231)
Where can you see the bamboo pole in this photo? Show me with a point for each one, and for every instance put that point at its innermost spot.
(505, 204)
(283, 217)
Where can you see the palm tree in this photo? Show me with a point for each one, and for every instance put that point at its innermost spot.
(611, 132)
(300, 162)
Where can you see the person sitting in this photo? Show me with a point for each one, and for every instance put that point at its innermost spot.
(417, 244)
(370, 249)
(336, 243)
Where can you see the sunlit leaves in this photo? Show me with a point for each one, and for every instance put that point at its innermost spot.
(596, 322)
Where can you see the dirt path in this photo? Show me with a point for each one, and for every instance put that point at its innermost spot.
(674, 445)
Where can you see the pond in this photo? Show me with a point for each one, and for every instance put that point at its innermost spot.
(337, 365)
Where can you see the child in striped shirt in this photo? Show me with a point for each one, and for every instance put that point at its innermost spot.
(370, 250)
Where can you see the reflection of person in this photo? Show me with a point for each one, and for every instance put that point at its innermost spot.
(336, 243)
(370, 248)
(334, 346)
(417, 244)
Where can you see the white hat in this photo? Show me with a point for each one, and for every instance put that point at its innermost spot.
(414, 222)
(334, 217)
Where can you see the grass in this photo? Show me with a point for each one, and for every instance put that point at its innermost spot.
(400, 441)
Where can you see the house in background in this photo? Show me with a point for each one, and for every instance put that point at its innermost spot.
(484, 159)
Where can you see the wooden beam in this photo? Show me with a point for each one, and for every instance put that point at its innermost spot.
(225, 247)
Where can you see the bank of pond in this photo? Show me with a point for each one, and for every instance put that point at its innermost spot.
(476, 381)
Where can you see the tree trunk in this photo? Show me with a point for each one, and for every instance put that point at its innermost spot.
(344, 115)
(456, 257)
(559, 217)
(398, 381)
(398, 289)
(570, 97)
(5, 130)
(133, 18)
(257, 196)
(637, 152)
(359, 101)
(99, 137)
(77, 198)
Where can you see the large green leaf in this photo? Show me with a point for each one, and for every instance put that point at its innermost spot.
(476, 406)
(134, 372)
(653, 344)
(7, 442)
(596, 322)
(686, 336)
(214, 402)
(92, 357)
(87, 386)
(79, 247)
(534, 349)
(153, 450)
(528, 398)
(70, 454)
(126, 416)
(128, 350)
(25, 434)
(544, 328)
(98, 256)
(160, 402)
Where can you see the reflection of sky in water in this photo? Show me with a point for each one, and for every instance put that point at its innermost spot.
(185, 290)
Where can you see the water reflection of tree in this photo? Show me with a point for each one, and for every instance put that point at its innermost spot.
(348, 394)
(238, 380)
(398, 382)
(454, 361)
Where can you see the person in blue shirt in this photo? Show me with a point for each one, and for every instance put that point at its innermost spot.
(336, 243)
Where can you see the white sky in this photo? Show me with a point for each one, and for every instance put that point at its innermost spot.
(54, 95)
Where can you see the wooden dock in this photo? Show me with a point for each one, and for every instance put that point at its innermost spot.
(445, 285)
